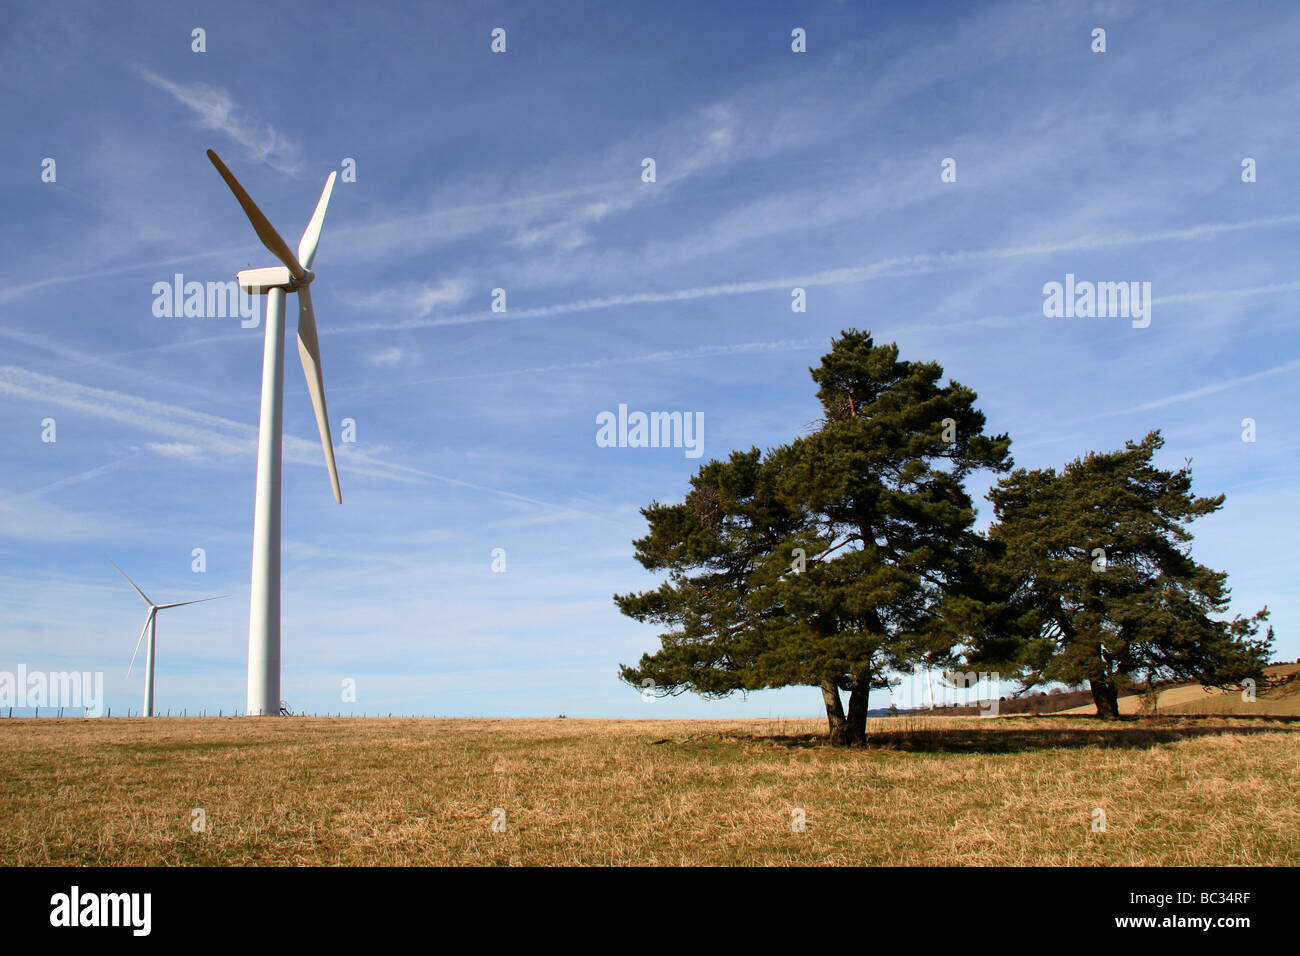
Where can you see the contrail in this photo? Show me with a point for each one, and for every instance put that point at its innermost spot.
(896, 266)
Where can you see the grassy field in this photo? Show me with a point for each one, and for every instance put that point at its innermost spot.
(932, 791)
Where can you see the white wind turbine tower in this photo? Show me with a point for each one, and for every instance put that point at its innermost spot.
(150, 625)
(275, 282)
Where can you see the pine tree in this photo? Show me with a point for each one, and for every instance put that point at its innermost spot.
(1091, 579)
(825, 562)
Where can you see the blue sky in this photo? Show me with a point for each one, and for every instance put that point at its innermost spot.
(523, 171)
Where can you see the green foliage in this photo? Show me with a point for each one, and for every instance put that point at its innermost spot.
(874, 500)
(1053, 614)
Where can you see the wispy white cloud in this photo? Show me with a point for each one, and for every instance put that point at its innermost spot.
(663, 355)
(12, 292)
(891, 267)
(215, 109)
(218, 436)
(1061, 430)
(420, 298)
(26, 496)
(387, 357)
(181, 450)
(1211, 389)
(692, 145)
(1202, 295)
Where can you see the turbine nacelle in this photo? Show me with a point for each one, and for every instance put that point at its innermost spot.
(262, 281)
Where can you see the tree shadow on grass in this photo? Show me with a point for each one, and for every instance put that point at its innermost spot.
(1126, 734)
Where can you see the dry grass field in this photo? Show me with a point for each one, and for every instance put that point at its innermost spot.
(931, 791)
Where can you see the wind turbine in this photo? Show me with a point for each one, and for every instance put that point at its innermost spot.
(275, 282)
(150, 625)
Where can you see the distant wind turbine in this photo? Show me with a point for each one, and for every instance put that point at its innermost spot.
(150, 625)
(275, 282)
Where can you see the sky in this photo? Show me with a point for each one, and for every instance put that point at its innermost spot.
(522, 170)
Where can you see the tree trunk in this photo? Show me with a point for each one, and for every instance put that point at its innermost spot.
(1106, 696)
(857, 719)
(835, 714)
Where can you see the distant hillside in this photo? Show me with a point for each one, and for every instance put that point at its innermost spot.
(1037, 702)
(1280, 696)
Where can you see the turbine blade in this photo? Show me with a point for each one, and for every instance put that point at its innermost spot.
(265, 231)
(129, 581)
(309, 352)
(311, 235)
(140, 639)
(199, 601)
